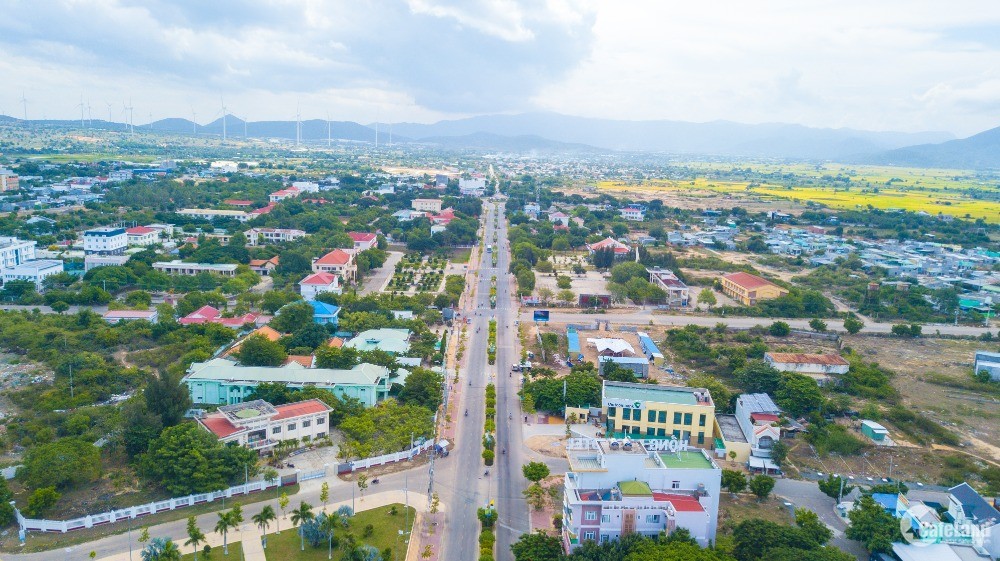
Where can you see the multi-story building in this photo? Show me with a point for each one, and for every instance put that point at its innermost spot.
(633, 213)
(363, 240)
(92, 261)
(677, 293)
(258, 425)
(426, 205)
(758, 417)
(264, 236)
(749, 289)
(35, 270)
(142, 236)
(178, 267)
(213, 214)
(283, 194)
(13, 251)
(659, 412)
(475, 187)
(337, 262)
(105, 241)
(9, 180)
(318, 283)
(619, 487)
(223, 382)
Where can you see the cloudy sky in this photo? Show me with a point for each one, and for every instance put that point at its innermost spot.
(874, 64)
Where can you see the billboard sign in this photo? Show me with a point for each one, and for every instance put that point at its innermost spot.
(541, 316)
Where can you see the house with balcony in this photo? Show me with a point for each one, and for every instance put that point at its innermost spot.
(260, 426)
(619, 487)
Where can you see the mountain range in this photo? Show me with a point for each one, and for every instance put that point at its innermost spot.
(553, 132)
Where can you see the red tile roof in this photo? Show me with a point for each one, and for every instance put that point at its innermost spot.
(618, 246)
(139, 230)
(304, 360)
(238, 202)
(361, 236)
(682, 503)
(299, 408)
(220, 425)
(747, 281)
(335, 257)
(764, 417)
(321, 279)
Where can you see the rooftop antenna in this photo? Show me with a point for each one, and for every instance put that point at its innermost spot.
(24, 102)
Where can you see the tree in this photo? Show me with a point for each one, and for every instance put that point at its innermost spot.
(139, 427)
(779, 329)
(566, 296)
(809, 522)
(707, 297)
(299, 516)
(545, 294)
(758, 377)
(798, 394)
(59, 307)
(779, 452)
(624, 272)
(258, 350)
(185, 459)
(41, 500)
(754, 538)
(734, 481)
(167, 397)
(563, 282)
(487, 517)
(817, 325)
(293, 316)
(283, 501)
(761, 485)
(422, 387)
(160, 549)
(225, 523)
(831, 487)
(328, 525)
(362, 484)
(535, 471)
(537, 546)
(873, 526)
(63, 463)
(324, 494)
(263, 520)
(195, 536)
(852, 324)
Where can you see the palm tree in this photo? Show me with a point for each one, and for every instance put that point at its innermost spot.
(330, 523)
(300, 515)
(263, 520)
(195, 536)
(222, 527)
(170, 552)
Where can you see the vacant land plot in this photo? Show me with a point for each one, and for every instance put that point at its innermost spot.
(935, 377)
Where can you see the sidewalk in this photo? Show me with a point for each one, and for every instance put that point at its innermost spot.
(250, 536)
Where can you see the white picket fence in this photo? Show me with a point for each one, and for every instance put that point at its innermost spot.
(89, 521)
(366, 463)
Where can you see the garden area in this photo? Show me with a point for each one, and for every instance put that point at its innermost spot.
(416, 273)
(376, 530)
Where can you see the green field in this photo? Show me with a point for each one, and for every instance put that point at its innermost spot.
(385, 534)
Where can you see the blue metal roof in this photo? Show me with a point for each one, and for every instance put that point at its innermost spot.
(323, 309)
(572, 341)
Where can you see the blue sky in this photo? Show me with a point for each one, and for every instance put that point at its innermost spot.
(886, 65)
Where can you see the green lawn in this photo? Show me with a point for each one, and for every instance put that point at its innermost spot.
(285, 546)
(235, 552)
(461, 255)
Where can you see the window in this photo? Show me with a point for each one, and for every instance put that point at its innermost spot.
(291, 426)
(306, 424)
(589, 536)
(276, 430)
(676, 434)
(651, 416)
(661, 432)
(663, 417)
(675, 484)
(701, 438)
(605, 518)
(652, 518)
(605, 538)
(701, 420)
(650, 431)
(321, 421)
(687, 418)
(626, 429)
(612, 411)
(677, 418)
(627, 414)
(635, 430)
(590, 515)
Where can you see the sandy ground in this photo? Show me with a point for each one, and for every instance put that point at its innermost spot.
(547, 445)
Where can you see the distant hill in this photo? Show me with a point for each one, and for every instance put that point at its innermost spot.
(981, 151)
(521, 143)
(721, 138)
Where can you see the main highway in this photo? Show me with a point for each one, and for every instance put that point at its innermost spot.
(464, 471)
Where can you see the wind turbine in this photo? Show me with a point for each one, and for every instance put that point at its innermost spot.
(194, 122)
(24, 102)
(82, 114)
(223, 119)
(90, 114)
(109, 112)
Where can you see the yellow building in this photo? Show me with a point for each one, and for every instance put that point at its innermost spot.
(649, 411)
(749, 289)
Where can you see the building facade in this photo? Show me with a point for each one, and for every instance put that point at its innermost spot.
(141, 236)
(212, 214)
(426, 205)
(35, 270)
(9, 180)
(13, 251)
(258, 425)
(337, 262)
(318, 283)
(178, 267)
(616, 488)
(749, 289)
(264, 236)
(658, 411)
(105, 241)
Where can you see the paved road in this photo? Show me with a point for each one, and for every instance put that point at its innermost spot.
(380, 276)
(414, 480)
(643, 317)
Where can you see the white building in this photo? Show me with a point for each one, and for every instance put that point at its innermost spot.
(620, 487)
(92, 261)
(758, 418)
(177, 267)
(532, 209)
(105, 241)
(224, 166)
(13, 251)
(282, 194)
(116, 316)
(318, 283)
(119, 175)
(337, 262)
(989, 362)
(213, 214)
(559, 218)
(142, 236)
(634, 214)
(264, 236)
(36, 271)
(307, 186)
(678, 294)
(363, 240)
(258, 425)
(820, 367)
(472, 187)
(427, 205)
